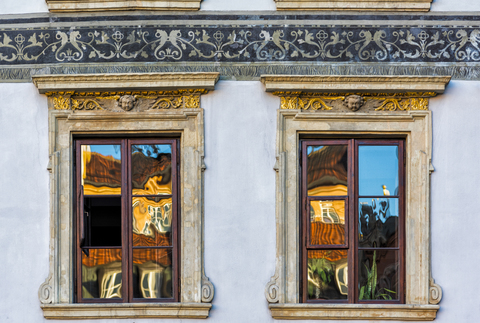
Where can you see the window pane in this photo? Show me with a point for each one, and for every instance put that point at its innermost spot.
(378, 222)
(327, 272)
(378, 170)
(102, 222)
(102, 273)
(327, 170)
(378, 274)
(152, 273)
(327, 222)
(152, 169)
(101, 169)
(152, 221)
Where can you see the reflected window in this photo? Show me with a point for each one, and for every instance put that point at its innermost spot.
(126, 220)
(353, 221)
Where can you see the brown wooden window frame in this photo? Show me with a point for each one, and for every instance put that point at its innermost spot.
(351, 215)
(126, 218)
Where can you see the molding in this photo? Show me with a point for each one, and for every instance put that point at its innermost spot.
(358, 5)
(435, 289)
(119, 82)
(126, 310)
(354, 312)
(115, 5)
(360, 84)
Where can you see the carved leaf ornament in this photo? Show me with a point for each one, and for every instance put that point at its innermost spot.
(126, 44)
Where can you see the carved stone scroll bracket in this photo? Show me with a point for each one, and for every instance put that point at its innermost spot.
(208, 291)
(45, 292)
(272, 290)
(435, 292)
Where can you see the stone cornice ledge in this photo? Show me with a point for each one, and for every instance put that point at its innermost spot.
(107, 5)
(354, 312)
(126, 310)
(360, 5)
(130, 81)
(356, 84)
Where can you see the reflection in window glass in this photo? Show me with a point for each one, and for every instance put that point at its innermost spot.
(102, 273)
(378, 170)
(152, 271)
(327, 274)
(327, 222)
(101, 169)
(378, 222)
(327, 170)
(152, 221)
(152, 169)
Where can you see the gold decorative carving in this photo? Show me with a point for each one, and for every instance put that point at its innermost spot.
(354, 101)
(127, 100)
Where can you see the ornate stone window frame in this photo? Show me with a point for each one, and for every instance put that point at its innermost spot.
(116, 5)
(357, 5)
(92, 105)
(387, 106)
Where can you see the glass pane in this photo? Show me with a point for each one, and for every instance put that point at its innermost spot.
(152, 169)
(327, 170)
(152, 273)
(101, 273)
(102, 222)
(327, 274)
(378, 170)
(378, 222)
(378, 275)
(101, 169)
(327, 222)
(152, 221)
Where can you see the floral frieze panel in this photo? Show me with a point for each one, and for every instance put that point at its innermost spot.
(239, 44)
(126, 101)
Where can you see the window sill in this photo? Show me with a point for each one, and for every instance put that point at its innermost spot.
(129, 310)
(354, 312)
(97, 5)
(361, 5)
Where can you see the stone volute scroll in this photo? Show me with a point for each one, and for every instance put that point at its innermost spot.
(326, 106)
(135, 104)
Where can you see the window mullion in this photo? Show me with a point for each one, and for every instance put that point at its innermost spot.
(352, 184)
(126, 249)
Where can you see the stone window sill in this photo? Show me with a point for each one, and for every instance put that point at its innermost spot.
(129, 310)
(354, 312)
(102, 5)
(360, 5)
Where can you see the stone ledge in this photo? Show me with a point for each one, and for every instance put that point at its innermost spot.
(133, 81)
(357, 84)
(353, 312)
(111, 5)
(126, 310)
(359, 5)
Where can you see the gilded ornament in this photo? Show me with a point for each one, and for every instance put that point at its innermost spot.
(289, 102)
(61, 103)
(191, 101)
(313, 104)
(167, 103)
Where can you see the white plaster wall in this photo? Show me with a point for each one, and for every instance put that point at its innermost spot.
(22, 6)
(240, 125)
(456, 5)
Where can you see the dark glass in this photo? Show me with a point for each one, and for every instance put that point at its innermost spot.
(152, 169)
(378, 222)
(378, 170)
(327, 170)
(152, 273)
(327, 222)
(102, 222)
(327, 272)
(378, 275)
(152, 221)
(101, 273)
(101, 169)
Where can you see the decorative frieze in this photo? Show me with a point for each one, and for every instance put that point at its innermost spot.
(126, 101)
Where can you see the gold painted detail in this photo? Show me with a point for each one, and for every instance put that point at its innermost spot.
(330, 101)
(141, 100)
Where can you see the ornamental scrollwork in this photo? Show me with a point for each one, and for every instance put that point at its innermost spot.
(126, 101)
(240, 44)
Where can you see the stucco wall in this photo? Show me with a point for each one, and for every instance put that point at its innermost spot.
(240, 123)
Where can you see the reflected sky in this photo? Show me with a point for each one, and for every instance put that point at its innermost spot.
(152, 150)
(378, 166)
(107, 150)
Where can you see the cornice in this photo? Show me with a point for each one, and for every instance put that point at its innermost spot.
(119, 82)
(115, 5)
(359, 5)
(357, 84)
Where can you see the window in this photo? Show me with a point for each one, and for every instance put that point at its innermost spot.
(394, 111)
(357, 5)
(352, 219)
(127, 220)
(85, 111)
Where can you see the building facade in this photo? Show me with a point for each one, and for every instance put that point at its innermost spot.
(239, 161)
